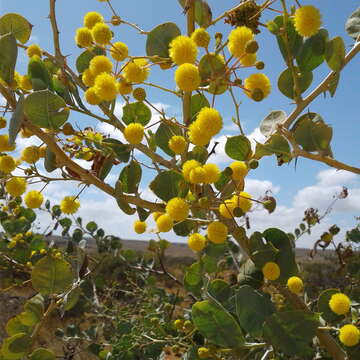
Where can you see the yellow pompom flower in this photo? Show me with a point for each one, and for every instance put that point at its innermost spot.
(99, 64)
(105, 87)
(16, 186)
(187, 77)
(42, 151)
(30, 154)
(136, 71)
(271, 271)
(83, 37)
(227, 209)
(139, 226)
(134, 133)
(178, 209)
(119, 51)
(242, 201)
(91, 97)
(238, 39)
(339, 304)
(33, 199)
(307, 20)
(197, 135)
(239, 170)
(209, 120)
(198, 175)
(25, 83)
(196, 242)
(201, 37)
(101, 33)
(124, 88)
(217, 232)
(88, 78)
(248, 59)
(34, 49)
(257, 86)
(7, 164)
(295, 284)
(187, 167)
(69, 205)
(164, 223)
(157, 214)
(92, 18)
(212, 173)
(177, 144)
(204, 353)
(182, 50)
(349, 335)
(4, 143)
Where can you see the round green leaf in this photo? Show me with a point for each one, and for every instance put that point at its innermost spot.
(130, 177)
(136, 112)
(286, 82)
(46, 110)
(16, 120)
(220, 290)
(8, 56)
(14, 326)
(51, 275)
(159, 38)
(123, 205)
(335, 53)
(238, 147)
(324, 309)
(269, 124)
(163, 134)
(211, 67)
(49, 160)
(17, 25)
(42, 354)
(198, 101)
(16, 346)
(83, 60)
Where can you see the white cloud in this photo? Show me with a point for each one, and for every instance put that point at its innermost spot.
(335, 177)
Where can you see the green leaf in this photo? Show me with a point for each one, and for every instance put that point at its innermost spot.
(252, 309)
(35, 306)
(42, 354)
(143, 214)
(169, 184)
(72, 298)
(352, 25)
(163, 134)
(203, 14)
(269, 124)
(198, 153)
(39, 74)
(14, 326)
(277, 145)
(16, 120)
(261, 252)
(91, 226)
(51, 275)
(130, 177)
(46, 110)
(16, 346)
(220, 290)
(83, 60)
(217, 325)
(212, 68)
(17, 25)
(123, 205)
(184, 228)
(198, 101)
(122, 151)
(193, 279)
(159, 39)
(324, 309)
(50, 160)
(333, 84)
(286, 82)
(238, 147)
(136, 112)
(312, 52)
(8, 57)
(106, 167)
(225, 184)
(292, 332)
(335, 53)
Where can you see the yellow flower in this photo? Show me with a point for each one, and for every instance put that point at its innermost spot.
(42, 151)
(157, 214)
(239, 170)
(238, 39)
(339, 303)
(217, 232)
(7, 164)
(307, 20)
(30, 154)
(177, 144)
(34, 49)
(187, 167)
(33, 199)
(25, 83)
(101, 34)
(88, 78)
(201, 37)
(92, 18)
(99, 64)
(227, 209)
(16, 186)
(212, 173)
(139, 226)
(196, 242)
(136, 71)
(69, 205)
(119, 51)
(204, 353)
(182, 50)
(349, 335)
(295, 284)
(209, 120)
(134, 133)
(164, 223)
(248, 59)
(271, 271)
(257, 86)
(139, 94)
(4, 143)
(83, 37)
(242, 201)
(124, 87)
(178, 209)
(197, 175)
(105, 87)
(198, 136)
(187, 77)
(91, 97)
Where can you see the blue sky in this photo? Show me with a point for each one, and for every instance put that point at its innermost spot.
(295, 188)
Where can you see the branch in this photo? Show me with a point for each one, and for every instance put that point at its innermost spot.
(55, 30)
